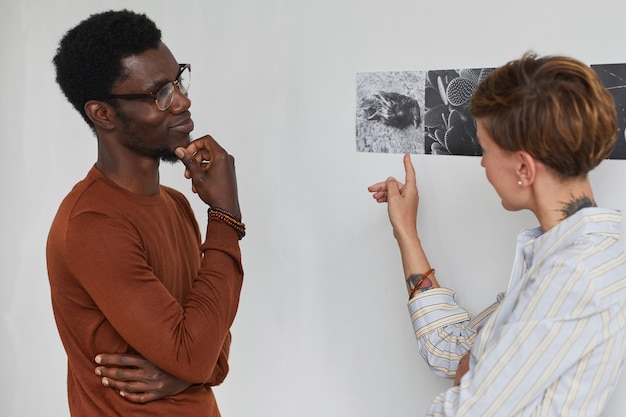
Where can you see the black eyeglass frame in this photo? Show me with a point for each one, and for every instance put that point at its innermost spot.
(152, 94)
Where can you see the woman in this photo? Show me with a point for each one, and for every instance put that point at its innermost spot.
(555, 343)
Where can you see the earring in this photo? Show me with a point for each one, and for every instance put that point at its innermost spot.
(520, 183)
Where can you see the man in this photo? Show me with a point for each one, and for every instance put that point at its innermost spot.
(128, 272)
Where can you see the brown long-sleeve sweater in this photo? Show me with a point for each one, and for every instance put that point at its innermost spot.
(128, 273)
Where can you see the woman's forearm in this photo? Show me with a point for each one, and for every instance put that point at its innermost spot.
(415, 264)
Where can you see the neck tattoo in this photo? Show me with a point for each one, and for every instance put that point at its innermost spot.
(575, 204)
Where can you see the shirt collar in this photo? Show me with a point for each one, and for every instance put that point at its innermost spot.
(591, 220)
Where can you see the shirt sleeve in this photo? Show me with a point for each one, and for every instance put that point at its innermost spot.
(444, 330)
(550, 346)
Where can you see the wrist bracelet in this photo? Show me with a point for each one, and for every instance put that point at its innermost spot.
(229, 219)
(226, 213)
(422, 278)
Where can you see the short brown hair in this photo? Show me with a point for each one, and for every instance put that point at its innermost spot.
(554, 107)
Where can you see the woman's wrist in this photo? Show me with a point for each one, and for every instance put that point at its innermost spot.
(416, 283)
(404, 236)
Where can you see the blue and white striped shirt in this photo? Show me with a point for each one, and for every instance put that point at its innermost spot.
(554, 346)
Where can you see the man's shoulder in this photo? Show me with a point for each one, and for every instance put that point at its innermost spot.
(89, 194)
(77, 193)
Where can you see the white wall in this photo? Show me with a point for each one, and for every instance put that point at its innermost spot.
(322, 329)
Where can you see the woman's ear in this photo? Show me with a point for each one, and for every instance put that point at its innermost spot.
(100, 113)
(527, 168)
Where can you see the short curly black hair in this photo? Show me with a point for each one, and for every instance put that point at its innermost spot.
(89, 57)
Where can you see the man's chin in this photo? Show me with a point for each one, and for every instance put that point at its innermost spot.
(168, 155)
(171, 160)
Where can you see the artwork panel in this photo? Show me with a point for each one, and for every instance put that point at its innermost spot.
(389, 112)
(426, 112)
(613, 77)
(449, 127)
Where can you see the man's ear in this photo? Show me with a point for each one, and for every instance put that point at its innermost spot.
(100, 113)
(527, 168)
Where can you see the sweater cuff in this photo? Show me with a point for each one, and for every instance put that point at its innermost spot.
(219, 233)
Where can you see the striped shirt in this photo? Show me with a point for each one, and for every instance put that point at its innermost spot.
(554, 346)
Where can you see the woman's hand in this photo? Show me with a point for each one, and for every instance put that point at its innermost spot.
(462, 368)
(402, 200)
(137, 379)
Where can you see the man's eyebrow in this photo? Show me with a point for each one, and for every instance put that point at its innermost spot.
(156, 85)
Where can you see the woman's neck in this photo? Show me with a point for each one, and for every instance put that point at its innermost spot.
(557, 199)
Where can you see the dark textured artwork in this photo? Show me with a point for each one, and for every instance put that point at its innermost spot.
(613, 77)
(450, 128)
(426, 112)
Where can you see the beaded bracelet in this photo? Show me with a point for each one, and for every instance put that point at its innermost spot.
(422, 278)
(229, 219)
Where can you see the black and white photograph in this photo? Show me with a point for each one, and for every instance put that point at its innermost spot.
(389, 112)
(419, 112)
(426, 112)
(613, 77)
(448, 125)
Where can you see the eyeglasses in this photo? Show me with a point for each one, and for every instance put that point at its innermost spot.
(164, 95)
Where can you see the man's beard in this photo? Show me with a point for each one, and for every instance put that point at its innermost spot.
(167, 155)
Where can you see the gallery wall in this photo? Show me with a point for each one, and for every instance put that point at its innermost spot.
(322, 329)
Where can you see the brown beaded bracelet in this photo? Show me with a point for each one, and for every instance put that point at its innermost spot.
(422, 278)
(229, 219)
